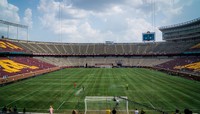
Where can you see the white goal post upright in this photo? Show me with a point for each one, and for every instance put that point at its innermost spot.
(103, 103)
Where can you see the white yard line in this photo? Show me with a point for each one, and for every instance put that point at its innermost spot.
(61, 105)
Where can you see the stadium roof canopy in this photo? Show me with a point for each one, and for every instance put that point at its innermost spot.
(187, 23)
(13, 24)
(189, 30)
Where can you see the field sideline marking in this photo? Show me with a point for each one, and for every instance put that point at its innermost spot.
(22, 97)
(151, 104)
(61, 105)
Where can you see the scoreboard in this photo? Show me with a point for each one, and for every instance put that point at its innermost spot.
(149, 36)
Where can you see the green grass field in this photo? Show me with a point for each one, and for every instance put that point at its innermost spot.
(152, 88)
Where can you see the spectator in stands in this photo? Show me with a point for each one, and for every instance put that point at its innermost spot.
(51, 110)
(114, 111)
(136, 111)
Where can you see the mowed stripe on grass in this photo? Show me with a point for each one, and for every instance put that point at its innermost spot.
(152, 88)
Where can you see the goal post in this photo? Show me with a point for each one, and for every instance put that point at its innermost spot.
(98, 104)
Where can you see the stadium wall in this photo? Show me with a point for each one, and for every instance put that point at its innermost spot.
(19, 77)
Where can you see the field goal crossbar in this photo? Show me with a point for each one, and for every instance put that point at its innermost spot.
(105, 98)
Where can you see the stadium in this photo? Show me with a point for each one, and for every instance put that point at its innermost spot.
(95, 78)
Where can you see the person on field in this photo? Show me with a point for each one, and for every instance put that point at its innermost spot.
(136, 111)
(74, 112)
(126, 86)
(142, 112)
(114, 111)
(10, 110)
(177, 111)
(108, 111)
(74, 84)
(24, 110)
(4, 110)
(117, 101)
(15, 109)
(187, 111)
(83, 88)
(51, 110)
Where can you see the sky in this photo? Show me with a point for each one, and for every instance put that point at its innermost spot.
(93, 21)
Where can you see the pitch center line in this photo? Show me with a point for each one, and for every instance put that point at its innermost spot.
(61, 105)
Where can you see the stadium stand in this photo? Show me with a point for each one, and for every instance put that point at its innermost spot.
(68, 49)
(16, 68)
(19, 65)
(110, 49)
(193, 49)
(196, 46)
(185, 65)
(83, 49)
(126, 49)
(6, 46)
(75, 49)
(91, 61)
(90, 49)
(87, 49)
(106, 49)
(179, 53)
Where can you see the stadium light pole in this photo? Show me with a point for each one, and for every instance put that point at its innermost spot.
(27, 35)
(8, 31)
(17, 33)
(85, 106)
(14, 25)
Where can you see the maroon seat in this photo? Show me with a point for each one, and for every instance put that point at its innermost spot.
(24, 62)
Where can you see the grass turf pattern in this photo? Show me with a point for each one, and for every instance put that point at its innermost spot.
(148, 87)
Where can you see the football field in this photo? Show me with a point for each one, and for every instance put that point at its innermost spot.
(146, 87)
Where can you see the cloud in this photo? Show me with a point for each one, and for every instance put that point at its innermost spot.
(115, 20)
(9, 12)
(169, 8)
(3, 30)
(95, 5)
(28, 17)
(59, 18)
